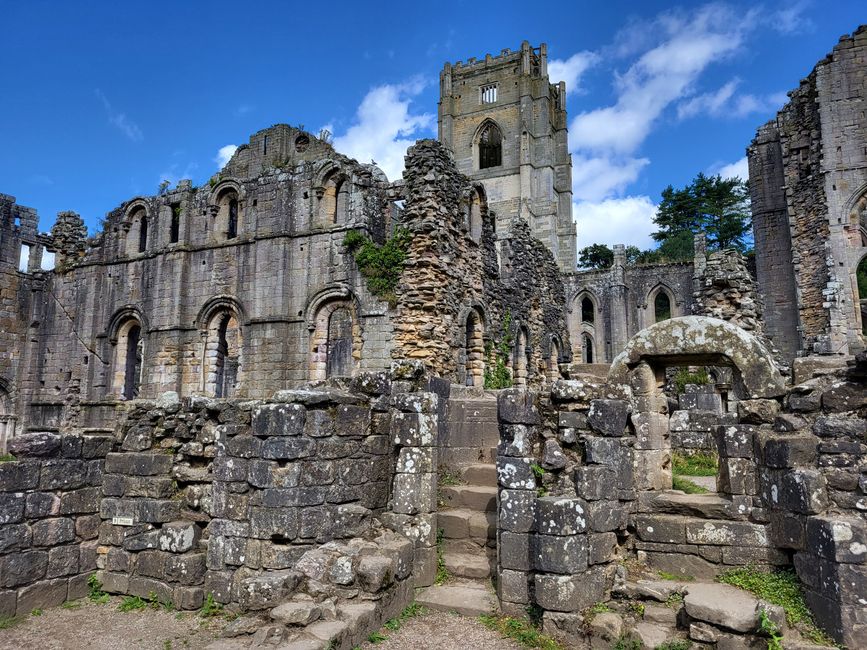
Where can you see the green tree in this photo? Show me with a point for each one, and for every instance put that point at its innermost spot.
(595, 256)
(719, 207)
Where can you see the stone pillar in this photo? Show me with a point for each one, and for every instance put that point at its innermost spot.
(619, 315)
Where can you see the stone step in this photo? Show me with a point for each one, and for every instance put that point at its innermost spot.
(469, 545)
(463, 523)
(674, 502)
(480, 474)
(467, 598)
(472, 497)
(468, 565)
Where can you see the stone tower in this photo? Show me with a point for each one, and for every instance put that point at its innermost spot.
(506, 126)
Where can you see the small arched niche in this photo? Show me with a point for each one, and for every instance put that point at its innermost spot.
(222, 354)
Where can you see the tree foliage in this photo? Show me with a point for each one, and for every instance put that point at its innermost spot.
(719, 207)
(600, 256)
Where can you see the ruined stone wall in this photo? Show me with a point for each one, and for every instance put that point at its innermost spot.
(725, 289)
(565, 468)
(49, 521)
(623, 306)
(448, 273)
(279, 277)
(814, 153)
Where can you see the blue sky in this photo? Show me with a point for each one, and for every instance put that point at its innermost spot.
(103, 100)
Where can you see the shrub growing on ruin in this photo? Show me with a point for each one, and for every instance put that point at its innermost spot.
(381, 265)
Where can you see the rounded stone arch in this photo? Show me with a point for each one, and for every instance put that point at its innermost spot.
(334, 333)
(220, 322)
(480, 149)
(472, 335)
(5, 396)
(699, 340)
(582, 330)
(226, 202)
(554, 356)
(136, 224)
(127, 334)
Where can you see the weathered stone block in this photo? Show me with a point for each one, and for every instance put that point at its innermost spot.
(374, 573)
(179, 536)
(608, 416)
(414, 460)
(514, 551)
(735, 441)
(414, 429)
(40, 504)
(790, 451)
(148, 587)
(840, 426)
(265, 522)
(553, 457)
(517, 406)
(17, 476)
(839, 538)
(515, 473)
(723, 533)
(737, 476)
(151, 564)
(758, 411)
(141, 510)
(137, 464)
(560, 515)
(556, 554)
(602, 451)
(844, 396)
(52, 532)
(46, 593)
(572, 420)
(594, 482)
(513, 586)
(787, 530)
(651, 430)
(516, 441)
(39, 444)
(11, 507)
(651, 471)
(22, 568)
(244, 446)
(797, 490)
(267, 590)
(601, 548)
(319, 423)
(85, 500)
(414, 493)
(561, 593)
(661, 528)
(63, 561)
(278, 420)
(288, 448)
(187, 598)
(605, 516)
(352, 420)
(62, 474)
(15, 537)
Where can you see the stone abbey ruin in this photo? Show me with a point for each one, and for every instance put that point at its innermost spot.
(274, 391)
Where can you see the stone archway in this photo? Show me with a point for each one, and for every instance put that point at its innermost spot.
(687, 340)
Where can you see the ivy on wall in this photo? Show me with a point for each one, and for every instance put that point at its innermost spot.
(380, 264)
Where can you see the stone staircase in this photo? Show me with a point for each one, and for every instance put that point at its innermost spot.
(468, 521)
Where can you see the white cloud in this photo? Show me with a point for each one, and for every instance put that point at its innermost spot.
(224, 154)
(571, 69)
(790, 18)
(384, 127)
(597, 177)
(628, 220)
(725, 103)
(173, 175)
(120, 120)
(739, 168)
(660, 76)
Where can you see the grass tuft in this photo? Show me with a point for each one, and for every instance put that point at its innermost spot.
(685, 485)
(210, 607)
(520, 631)
(412, 610)
(665, 575)
(6, 458)
(699, 464)
(782, 588)
(442, 575)
(132, 603)
(8, 621)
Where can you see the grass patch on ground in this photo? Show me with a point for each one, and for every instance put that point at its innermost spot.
(781, 588)
(6, 458)
(665, 575)
(8, 621)
(700, 464)
(685, 485)
(520, 631)
(412, 610)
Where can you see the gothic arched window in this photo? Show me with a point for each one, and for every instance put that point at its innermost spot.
(490, 147)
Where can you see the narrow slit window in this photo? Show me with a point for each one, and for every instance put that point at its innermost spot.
(24, 258)
(175, 229)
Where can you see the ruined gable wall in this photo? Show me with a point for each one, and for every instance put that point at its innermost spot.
(447, 273)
